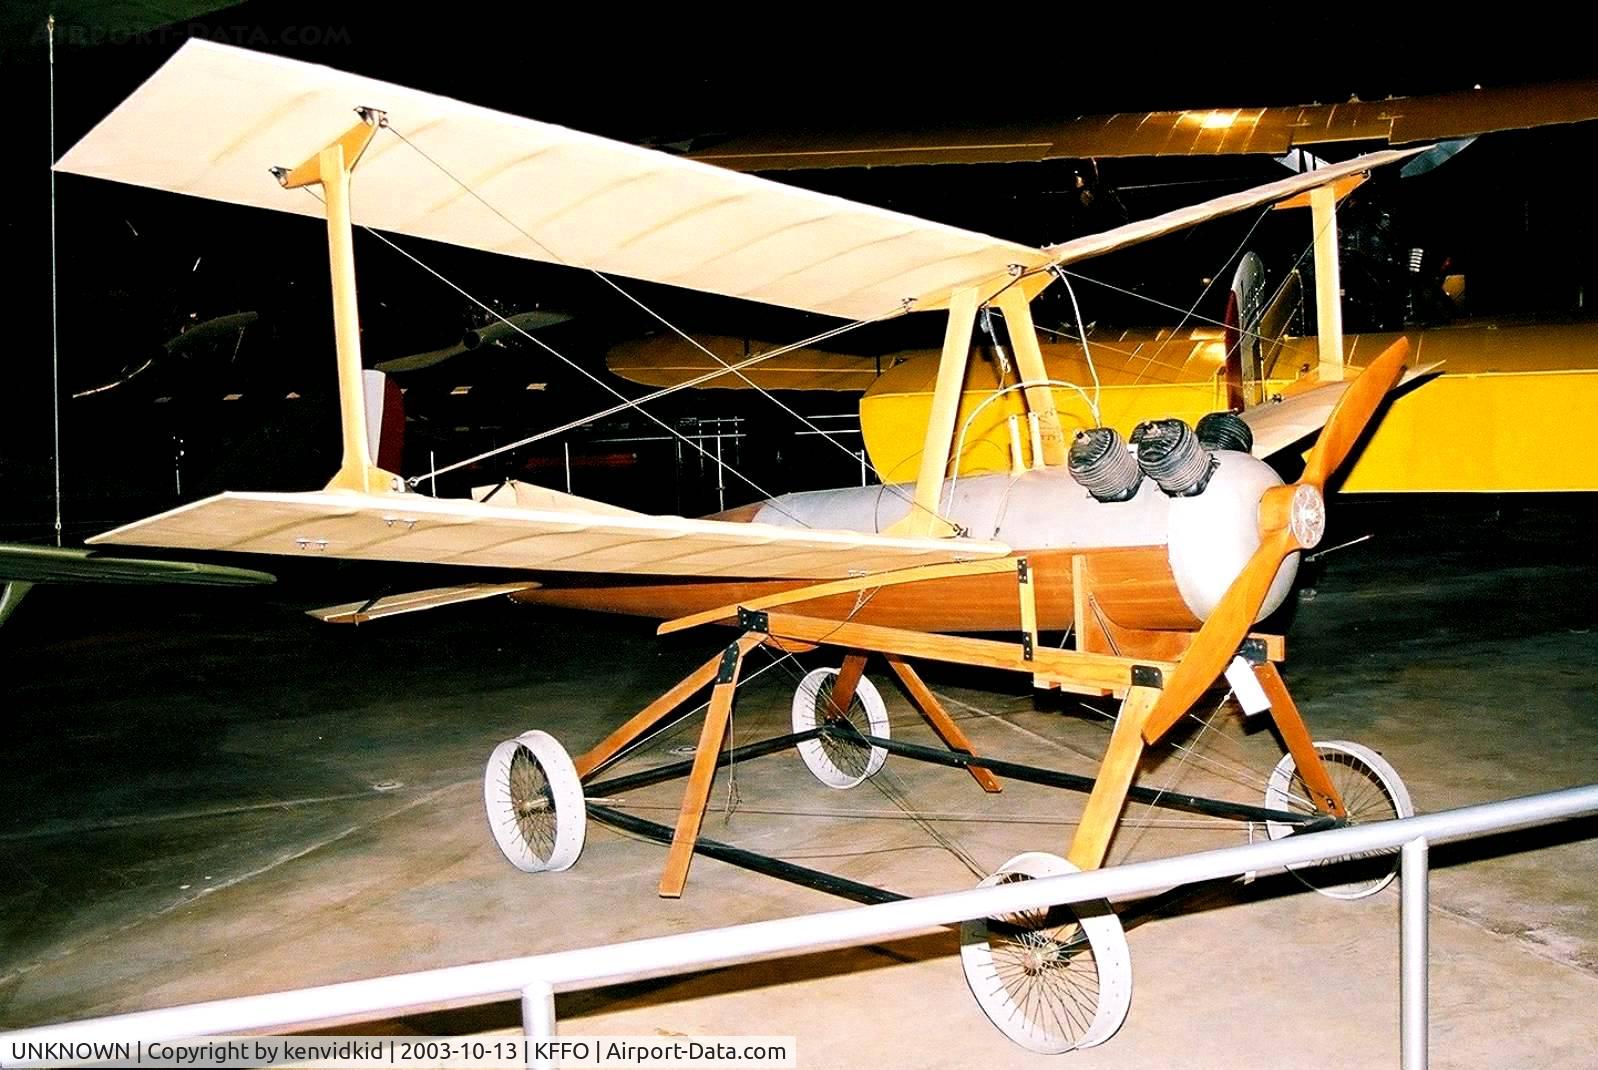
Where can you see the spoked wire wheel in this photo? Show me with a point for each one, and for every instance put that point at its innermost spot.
(535, 803)
(1052, 980)
(1371, 791)
(836, 760)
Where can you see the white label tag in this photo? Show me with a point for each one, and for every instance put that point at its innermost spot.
(1246, 686)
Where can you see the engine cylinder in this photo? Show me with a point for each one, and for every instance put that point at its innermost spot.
(1101, 463)
(1225, 431)
(1169, 453)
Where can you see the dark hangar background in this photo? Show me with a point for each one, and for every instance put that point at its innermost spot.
(1514, 212)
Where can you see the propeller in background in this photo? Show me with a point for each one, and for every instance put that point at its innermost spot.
(499, 332)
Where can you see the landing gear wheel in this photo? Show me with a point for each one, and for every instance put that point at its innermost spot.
(535, 803)
(839, 762)
(1371, 791)
(1055, 980)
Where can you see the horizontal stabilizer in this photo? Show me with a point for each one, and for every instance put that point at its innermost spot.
(454, 531)
(395, 604)
(1278, 425)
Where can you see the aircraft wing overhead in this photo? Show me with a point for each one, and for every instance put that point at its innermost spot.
(418, 529)
(1192, 132)
(214, 119)
(1090, 245)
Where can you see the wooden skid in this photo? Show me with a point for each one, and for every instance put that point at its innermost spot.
(874, 581)
(1102, 673)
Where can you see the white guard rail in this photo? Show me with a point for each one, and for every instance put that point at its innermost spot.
(535, 978)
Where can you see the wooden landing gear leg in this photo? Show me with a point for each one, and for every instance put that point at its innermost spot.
(1331, 777)
(645, 719)
(1092, 840)
(940, 720)
(697, 793)
(1323, 793)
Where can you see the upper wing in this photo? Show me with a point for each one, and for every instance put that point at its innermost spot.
(1142, 230)
(414, 528)
(214, 119)
(1198, 132)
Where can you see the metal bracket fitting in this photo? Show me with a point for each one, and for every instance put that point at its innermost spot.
(1147, 676)
(729, 664)
(754, 620)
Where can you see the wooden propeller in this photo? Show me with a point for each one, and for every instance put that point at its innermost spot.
(1291, 518)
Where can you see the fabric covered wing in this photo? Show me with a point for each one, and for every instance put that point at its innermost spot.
(214, 119)
(414, 528)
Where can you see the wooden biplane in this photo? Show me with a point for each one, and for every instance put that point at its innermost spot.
(1160, 565)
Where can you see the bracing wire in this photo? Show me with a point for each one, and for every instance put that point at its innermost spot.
(1188, 314)
(1025, 384)
(633, 403)
(1082, 334)
(566, 360)
(654, 314)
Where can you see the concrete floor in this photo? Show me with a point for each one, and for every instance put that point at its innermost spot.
(211, 794)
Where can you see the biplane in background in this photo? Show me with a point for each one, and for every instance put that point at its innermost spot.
(1493, 373)
(1159, 559)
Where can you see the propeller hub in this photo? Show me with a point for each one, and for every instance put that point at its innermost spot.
(1306, 516)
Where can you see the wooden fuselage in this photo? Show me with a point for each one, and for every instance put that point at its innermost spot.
(1133, 587)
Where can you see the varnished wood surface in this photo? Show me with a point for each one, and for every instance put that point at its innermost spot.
(1133, 587)
(941, 722)
(1116, 772)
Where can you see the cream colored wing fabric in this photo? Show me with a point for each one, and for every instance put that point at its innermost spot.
(214, 119)
(414, 528)
(1142, 230)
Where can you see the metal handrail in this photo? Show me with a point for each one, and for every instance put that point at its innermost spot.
(535, 978)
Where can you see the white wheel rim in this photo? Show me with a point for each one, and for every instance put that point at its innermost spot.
(1371, 790)
(534, 801)
(834, 762)
(1043, 1002)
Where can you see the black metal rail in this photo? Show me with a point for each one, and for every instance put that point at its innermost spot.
(750, 860)
(673, 770)
(1071, 781)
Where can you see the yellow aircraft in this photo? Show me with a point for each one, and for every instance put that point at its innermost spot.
(1160, 559)
(1531, 376)
(1493, 375)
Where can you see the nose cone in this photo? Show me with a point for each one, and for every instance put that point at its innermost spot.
(1307, 516)
(1213, 535)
